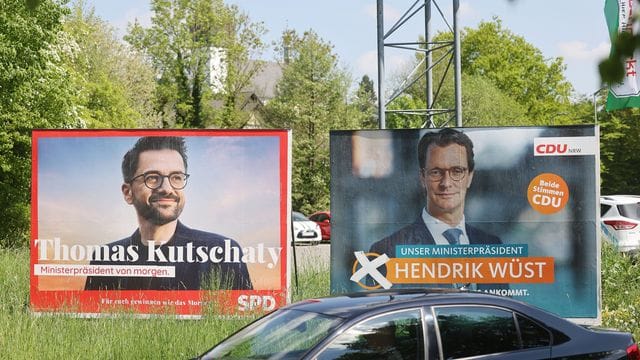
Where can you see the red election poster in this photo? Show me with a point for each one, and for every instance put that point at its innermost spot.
(171, 222)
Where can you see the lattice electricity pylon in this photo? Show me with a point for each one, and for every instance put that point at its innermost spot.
(423, 69)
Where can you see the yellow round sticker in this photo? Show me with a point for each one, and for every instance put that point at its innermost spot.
(548, 193)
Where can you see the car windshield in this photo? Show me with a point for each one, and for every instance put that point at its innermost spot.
(283, 334)
(631, 211)
(299, 217)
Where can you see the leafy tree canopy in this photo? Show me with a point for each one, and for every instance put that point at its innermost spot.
(619, 144)
(34, 93)
(311, 100)
(201, 52)
(114, 85)
(505, 81)
(515, 67)
(366, 102)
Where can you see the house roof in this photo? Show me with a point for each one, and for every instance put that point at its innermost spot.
(263, 84)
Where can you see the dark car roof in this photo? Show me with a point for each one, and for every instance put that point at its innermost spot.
(351, 306)
(566, 337)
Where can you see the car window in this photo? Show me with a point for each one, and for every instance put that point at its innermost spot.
(319, 217)
(395, 336)
(631, 211)
(475, 330)
(604, 208)
(284, 334)
(533, 335)
(299, 217)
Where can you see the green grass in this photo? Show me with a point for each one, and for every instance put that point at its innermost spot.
(620, 290)
(26, 336)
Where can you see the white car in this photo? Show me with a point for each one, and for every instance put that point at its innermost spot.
(305, 231)
(620, 220)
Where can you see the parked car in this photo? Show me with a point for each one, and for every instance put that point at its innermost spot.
(305, 231)
(620, 217)
(323, 219)
(420, 324)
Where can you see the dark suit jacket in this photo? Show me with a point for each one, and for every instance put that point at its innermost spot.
(188, 276)
(418, 234)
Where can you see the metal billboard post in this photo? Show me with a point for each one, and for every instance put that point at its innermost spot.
(457, 70)
(428, 60)
(424, 69)
(381, 89)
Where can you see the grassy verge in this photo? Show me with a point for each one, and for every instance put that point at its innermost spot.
(620, 290)
(25, 336)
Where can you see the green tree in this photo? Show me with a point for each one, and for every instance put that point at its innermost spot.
(397, 116)
(182, 44)
(114, 85)
(619, 142)
(366, 102)
(34, 93)
(517, 68)
(483, 104)
(505, 81)
(311, 99)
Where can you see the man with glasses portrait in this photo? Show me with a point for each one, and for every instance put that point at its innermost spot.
(446, 171)
(155, 176)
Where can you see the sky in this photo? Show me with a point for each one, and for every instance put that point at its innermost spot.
(572, 29)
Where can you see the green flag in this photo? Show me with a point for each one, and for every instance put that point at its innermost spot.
(619, 15)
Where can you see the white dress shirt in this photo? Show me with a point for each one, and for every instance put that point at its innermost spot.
(437, 227)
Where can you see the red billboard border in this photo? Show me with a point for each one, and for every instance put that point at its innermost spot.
(87, 303)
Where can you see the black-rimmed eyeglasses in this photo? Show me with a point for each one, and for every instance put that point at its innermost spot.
(154, 180)
(456, 173)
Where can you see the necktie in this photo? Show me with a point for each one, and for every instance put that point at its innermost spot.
(452, 235)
